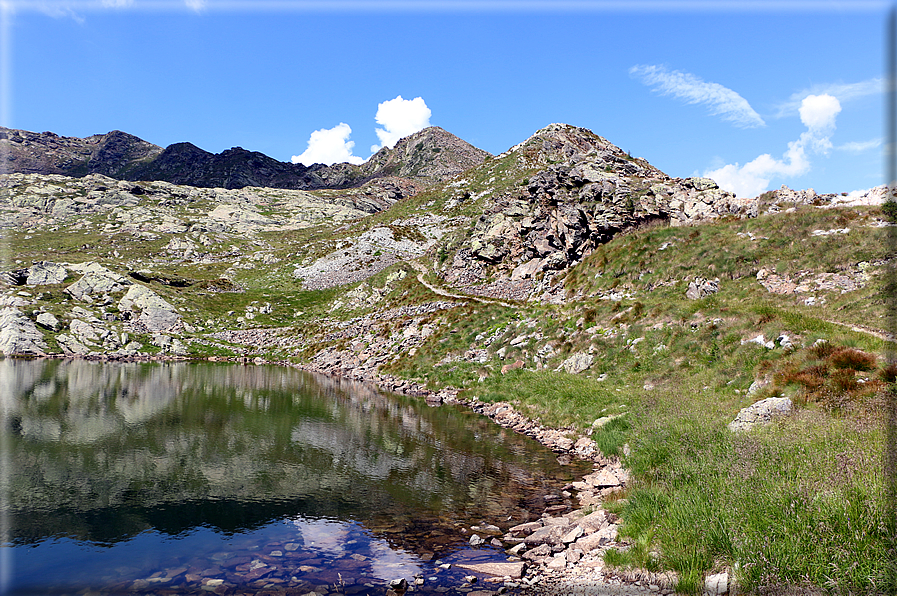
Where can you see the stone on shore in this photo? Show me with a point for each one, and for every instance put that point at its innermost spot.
(514, 570)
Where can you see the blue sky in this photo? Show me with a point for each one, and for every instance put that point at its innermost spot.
(755, 95)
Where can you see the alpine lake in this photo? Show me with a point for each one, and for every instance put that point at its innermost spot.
(216, 478)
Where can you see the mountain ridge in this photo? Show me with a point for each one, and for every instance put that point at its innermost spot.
(427, 156)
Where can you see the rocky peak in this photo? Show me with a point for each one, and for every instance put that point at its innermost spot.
(112, 154)
(573, 191)
(432, 154)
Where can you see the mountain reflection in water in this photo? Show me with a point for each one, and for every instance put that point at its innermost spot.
(153, 467)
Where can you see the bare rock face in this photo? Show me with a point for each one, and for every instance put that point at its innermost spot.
(44, 273)
(112, 154)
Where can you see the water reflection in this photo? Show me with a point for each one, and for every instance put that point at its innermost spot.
(116, 454)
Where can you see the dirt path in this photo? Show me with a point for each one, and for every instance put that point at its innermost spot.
(422, 271)
(889, 337)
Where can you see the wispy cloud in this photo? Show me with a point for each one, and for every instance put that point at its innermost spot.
(860, 146)
(721, 100)
(843, 91)
(818, 114)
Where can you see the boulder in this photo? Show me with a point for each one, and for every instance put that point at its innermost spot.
(96, 280)
(550, 535)
(700, 287)
(538, 553)
(156, 320)
(512, 570)
(44, 273)
(527, 269)
(578, 362)
(19, 335)
(761, 412)
(140, 297)
(597, 539)
(48, 321)
(716, 584)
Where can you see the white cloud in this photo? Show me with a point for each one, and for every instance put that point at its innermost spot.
(860, 146)
(843, 91)
(400, 118)
(329, 146)
(196, 5)
(818, 113)
(682, 85)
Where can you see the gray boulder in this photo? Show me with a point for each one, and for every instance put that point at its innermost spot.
(96, 280)
(156, 320)
(760, 413)
(19, 335)
(45, 272)
(48, 321)
(700, 287)
(140, 297)
(577, 363)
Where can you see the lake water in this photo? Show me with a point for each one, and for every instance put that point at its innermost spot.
(172, 478)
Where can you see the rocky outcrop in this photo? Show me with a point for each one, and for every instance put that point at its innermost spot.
(776, 199)
(586, 191)
(95, 282)
(431, 155)
(699, 288)
(158, 207)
